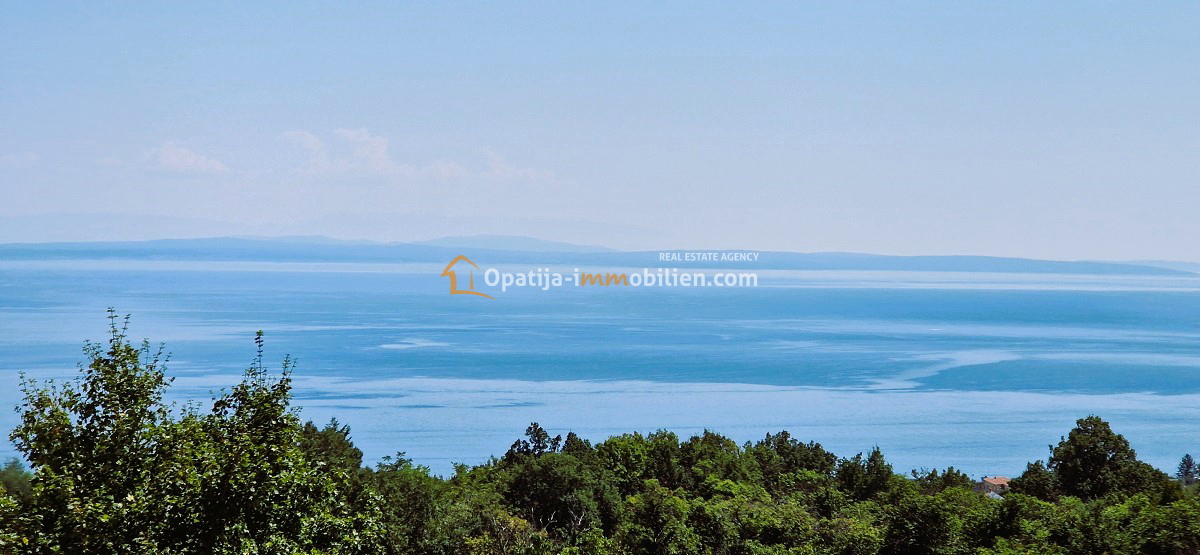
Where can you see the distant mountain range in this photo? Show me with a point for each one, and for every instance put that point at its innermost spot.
(501, 249)
(1170, 264)
(510, 243)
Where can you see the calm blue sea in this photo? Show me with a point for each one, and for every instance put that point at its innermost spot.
(979, 371)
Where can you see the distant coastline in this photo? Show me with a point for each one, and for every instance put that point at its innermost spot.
(521, 250)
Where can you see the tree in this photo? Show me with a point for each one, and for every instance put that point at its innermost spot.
(558, 494)
(259, 490)
(331, 446)
(931, 482)
(94, 445)
(919, 524)
(15, 479)
(1093, 461)
(780, 454)
(712, 455)
(537, 442)
(658, 523)
(577, 447)
(412, 504)
(1037, 481)
(116, 470)
(864, 479)
(625, 458)
(664, 459)
(1187, 470)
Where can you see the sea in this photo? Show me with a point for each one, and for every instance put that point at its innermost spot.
(979, 371)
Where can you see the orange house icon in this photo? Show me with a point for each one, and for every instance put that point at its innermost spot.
(449, 272)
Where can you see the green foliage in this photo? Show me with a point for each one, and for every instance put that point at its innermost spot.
(919, 524)
(537, 442)
(1093, 461)
(658, 522)
(559, 494)
(15, 480)
(331, 447)
(1037, 481)
(624, 457)
(931, 482)
(116, 470)
(1187, 470)
(412, 503)
(864, 479)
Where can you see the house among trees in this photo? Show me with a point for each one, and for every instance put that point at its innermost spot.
(993, 484)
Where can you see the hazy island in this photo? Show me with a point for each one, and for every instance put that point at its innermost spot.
(539, 252)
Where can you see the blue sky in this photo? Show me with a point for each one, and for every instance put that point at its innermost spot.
(1053, 130)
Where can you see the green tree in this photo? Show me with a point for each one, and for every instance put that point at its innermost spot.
(259, 491)
(664, 460)
(116, 470)
(15, 479)
(331, 446)
(537, 442)
(919, 524)
(931, 482)
(94, 444)
(578, 447)
(1093, 461)
(712, 455)
(1187, 470)
(413, 504)
(779, 455)
(557, 493)
(864, 479)
(625, 457)
(1020, 524)
(658, 523)
(1037, 481)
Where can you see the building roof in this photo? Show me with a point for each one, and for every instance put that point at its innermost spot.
(996, 480)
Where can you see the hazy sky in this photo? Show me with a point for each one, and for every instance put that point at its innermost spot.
(1047, 129)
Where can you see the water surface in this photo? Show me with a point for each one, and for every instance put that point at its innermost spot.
(980, 371)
